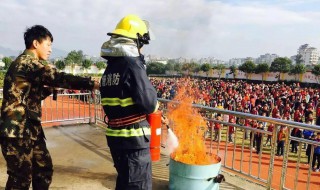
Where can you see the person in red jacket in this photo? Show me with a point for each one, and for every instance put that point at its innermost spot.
(318, 114)
(296, 132)
(281, 137)
(258, 137)
(217, 129)
(253, 134)
(270, 129)
(275, 110)
(231, 130)
(297, 116)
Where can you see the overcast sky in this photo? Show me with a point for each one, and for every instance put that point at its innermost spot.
(183, 28)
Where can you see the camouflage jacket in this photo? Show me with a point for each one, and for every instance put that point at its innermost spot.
(26, 83)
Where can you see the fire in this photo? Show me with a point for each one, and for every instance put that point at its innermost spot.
(186, 123)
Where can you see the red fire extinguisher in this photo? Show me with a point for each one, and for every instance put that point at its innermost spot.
(154, 120)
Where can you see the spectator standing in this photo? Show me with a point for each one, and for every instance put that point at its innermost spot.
(316, 156)
(296, 132)
(231, 130)
(259, 137)
(281, 140)
(308, 150)
(217, 129)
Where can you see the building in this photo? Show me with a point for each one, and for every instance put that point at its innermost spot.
(236, 61)
(211, 61)
(152, 58)
(266, 58)
(310, 55)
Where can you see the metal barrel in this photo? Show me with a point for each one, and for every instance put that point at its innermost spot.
(193, 177)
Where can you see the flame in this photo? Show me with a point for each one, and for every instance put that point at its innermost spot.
(187, 123)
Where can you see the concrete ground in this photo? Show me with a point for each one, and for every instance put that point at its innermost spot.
(82, 161)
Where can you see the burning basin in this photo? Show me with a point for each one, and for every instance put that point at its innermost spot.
(193, 177)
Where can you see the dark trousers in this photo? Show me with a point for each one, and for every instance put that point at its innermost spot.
(253, 138)
(316, 157)
(268, 140)
(133, 167)
(304, 144)
(318, 121)
(294, 146)
(280, 148)
(258, 142)
(27, 161)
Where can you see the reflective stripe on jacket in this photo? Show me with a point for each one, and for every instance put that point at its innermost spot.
(128, 132)
(117, 102)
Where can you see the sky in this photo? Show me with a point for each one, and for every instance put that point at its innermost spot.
(222, 29)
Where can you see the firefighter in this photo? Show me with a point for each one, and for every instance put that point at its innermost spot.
(26, 83)
(127, 96)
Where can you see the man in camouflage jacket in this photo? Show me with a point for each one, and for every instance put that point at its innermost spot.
(27, 82)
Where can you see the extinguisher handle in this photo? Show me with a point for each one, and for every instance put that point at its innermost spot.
(165, 121)
(218, 179)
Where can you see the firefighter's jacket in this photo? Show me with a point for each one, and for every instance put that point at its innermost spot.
(126, 91)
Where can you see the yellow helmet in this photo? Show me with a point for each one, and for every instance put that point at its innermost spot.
(131, 26)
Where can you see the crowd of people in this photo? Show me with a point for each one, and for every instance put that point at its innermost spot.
(276, 100)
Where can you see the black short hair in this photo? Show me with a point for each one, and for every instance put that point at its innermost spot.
(36, 32)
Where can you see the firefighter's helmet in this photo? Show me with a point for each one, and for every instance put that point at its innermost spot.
(132, 26)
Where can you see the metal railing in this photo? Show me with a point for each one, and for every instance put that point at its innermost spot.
(69, 109)
(243, 148)
(238, 157)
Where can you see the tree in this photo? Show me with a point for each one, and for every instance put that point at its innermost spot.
(155, 68)
(190, 67)
(299, 59)
(297, 69)
(281, 65)
(60, 65)
(177, 67)
(86, 64)
(172, 61)
(205, 68)
(316, 71)
(101, 65)
(169, 66)
(233, 70)
(247, 67)
(74, 58)
(195, 67)
(7, 62)
(220, 68)
(262, 69)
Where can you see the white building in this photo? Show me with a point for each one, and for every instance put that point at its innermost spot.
(236, 61)
(211, 61)
(310, 55)
(266, 58)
